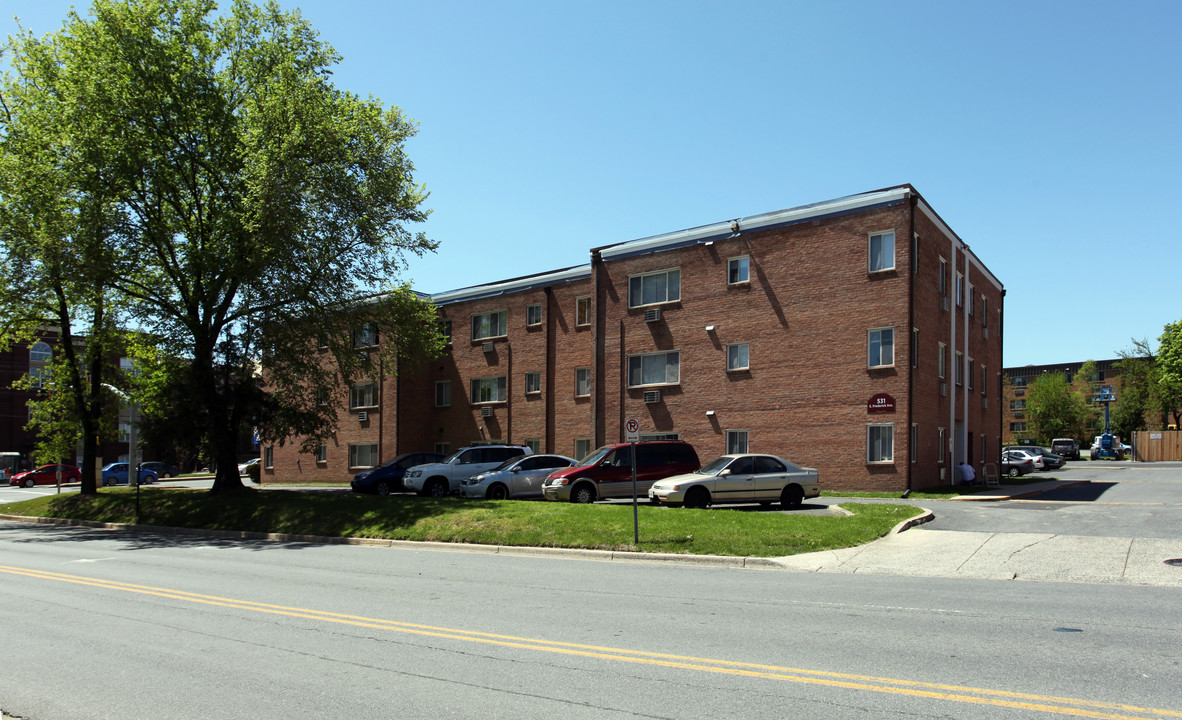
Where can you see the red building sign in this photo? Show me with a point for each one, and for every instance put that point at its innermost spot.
(880, 403)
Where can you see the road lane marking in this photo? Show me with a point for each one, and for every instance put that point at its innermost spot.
(953, 693)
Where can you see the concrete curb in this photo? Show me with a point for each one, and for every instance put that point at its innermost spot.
(576, 553)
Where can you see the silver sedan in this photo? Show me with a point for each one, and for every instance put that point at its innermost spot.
(739, 479)
(520, 477)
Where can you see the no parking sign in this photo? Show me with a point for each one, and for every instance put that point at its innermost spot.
(631, 430)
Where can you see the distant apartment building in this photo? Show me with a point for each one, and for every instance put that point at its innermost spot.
(860, 336)
(1018, 379)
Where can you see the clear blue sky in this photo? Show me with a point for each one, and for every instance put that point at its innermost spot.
(1047, 134)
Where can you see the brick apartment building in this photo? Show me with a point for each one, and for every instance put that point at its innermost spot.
(1019, 378)
(860, 336)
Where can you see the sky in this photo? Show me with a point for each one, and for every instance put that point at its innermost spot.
(1048, 135)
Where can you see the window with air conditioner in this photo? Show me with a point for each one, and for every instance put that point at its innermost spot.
(489, 325)
(661, 368)
(654, 288)
(363, 395)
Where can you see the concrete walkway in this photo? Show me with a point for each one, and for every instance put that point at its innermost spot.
(919, 552)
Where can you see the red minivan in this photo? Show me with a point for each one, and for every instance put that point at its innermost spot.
(607, 472)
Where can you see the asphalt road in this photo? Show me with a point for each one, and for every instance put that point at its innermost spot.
(100, 624)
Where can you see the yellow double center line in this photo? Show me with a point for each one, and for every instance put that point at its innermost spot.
(952, 693)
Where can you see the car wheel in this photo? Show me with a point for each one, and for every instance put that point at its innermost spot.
(498, 492)
(436, 488)
(791, 496)
(29, 482)
(383, 488)
(1013, 472)
(697, 497)
(109, 481)
(583, 493)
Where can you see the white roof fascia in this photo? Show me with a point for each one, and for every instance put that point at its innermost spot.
(754, 222)
(501, 288)
(939, 223)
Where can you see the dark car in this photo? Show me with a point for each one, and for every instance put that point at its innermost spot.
(1015, 464)
(387, 477)
(162, 469)
(1067, 447)
(46, 475)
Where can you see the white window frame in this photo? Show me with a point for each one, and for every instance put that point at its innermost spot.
(442, 393)
(959, 290)
(736, 364)
(870, 443)
(882, 237)
(496, 383)
(269, 457)
(971, 371)
(984, 379)
(493, 323)
(322, 453)
(870, 339)
(640, 358)
(672, 287)
(534, 444)
(533, 315)
(972, 295)
(583, 311)
(942, 283)
(583, 382)
(942, 362)
(738, 441)
(942, 441)
(365, 336)
(363, 395)
(40, 352)
(533, 383)
(741, 265)
(959, 369)
(363, 455)
(583, 448)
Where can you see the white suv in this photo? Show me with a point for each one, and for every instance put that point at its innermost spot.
(444, 477)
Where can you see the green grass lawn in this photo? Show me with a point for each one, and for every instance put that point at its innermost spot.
(728, 531)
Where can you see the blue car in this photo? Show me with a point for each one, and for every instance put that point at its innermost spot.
(387, 477)
(116, 474)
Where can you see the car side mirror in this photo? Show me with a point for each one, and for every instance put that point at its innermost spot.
(725, 472)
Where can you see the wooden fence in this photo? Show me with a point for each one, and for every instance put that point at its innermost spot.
(1157, 445)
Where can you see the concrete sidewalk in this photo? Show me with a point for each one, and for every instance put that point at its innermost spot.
(920, 552)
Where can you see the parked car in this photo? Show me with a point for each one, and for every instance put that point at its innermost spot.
(46, 475)
(116, 474)
(244, 467)
(607, 472)
(1027, 453)
(519, 477)
(163, 470)
(1067, 447)
(387, 477)
(1015, 464)
(739, 479)
(1050, 461)
(443, 478)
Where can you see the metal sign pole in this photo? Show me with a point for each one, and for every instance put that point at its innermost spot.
(635, 510)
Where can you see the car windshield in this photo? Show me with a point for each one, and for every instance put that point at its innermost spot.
(447, 460)
(595, 456)
(714, 466)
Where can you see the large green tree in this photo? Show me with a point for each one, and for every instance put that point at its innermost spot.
(1054, 409)
(256, 206)
(1169, 358)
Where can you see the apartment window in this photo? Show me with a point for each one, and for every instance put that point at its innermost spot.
(972, 294)
(654, 288)
(654, 369)
(488, 390)
(959, 290)
(533, 315)
(914, 347)
(445, 330)
(983, 448)
(443, 393)
(881, 346)
(738, 270)
(582, 382)
(40, 352)
(984, 377)
(1017, 427)
(882, 251)
(914, 253)
(959, 369)
(533, 382)
(738, 356)
(736, 441)
(38, 375)
(322, 340)
(1018, 404)
(322, 453)
(942, 361)
(321, 396)
(443, 448)
(942, 282)
(363, 395)
(363, 455)
(124, 431)
(489, 325)
(649, 437)
(534, 444)
(880, 443)
(365, 336)
(913, 442)
(583, 311)
(984, 311)
(972, 371)
(269, 456)
(942, 443)
(582, 448)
